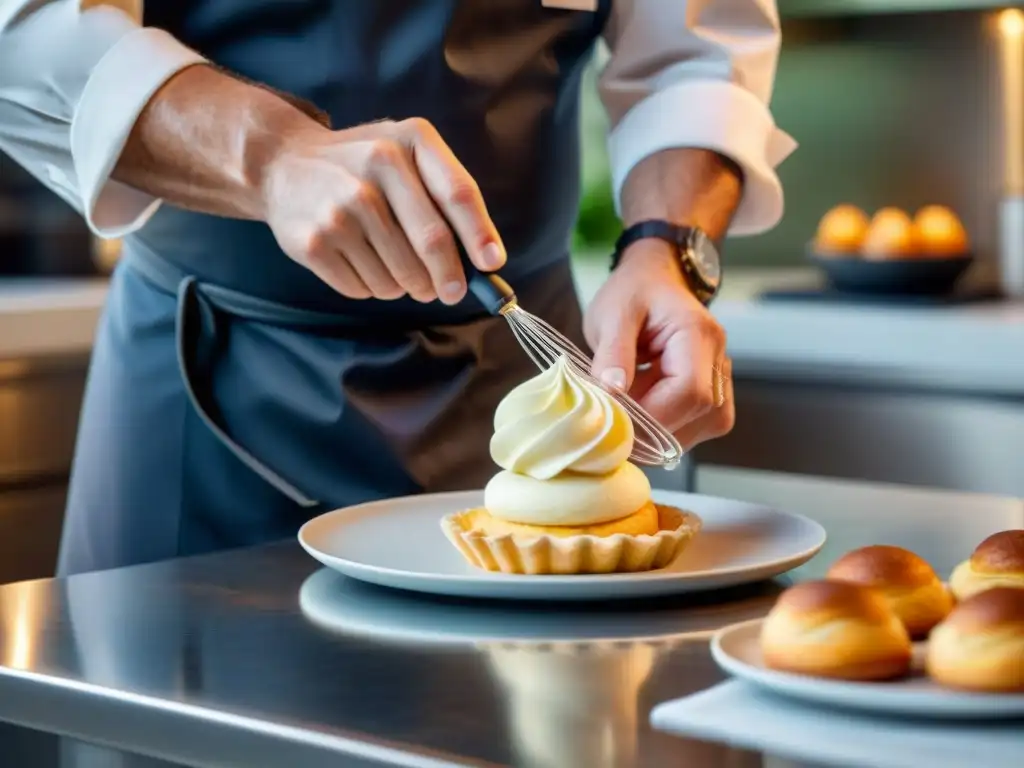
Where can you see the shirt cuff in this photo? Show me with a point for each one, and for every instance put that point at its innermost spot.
(120, 86)
(714, 115)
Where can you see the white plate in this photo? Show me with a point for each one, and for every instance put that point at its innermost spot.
(399, 543)
(737, 650)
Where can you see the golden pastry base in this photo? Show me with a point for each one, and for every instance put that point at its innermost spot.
(543, 554)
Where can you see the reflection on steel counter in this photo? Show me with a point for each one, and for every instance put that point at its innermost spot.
(210, 661)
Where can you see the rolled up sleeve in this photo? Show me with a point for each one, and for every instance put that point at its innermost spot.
(74, 77)
(698, 73)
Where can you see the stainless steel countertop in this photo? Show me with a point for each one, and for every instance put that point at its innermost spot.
(211, 661)
(257, 658)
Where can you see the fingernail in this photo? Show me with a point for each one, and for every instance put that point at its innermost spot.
(452, 292)
(614, 377)
(493, 256)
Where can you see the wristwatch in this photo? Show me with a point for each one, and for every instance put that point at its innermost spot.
(698, 256)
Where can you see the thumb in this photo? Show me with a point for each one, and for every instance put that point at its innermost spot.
(614, 347)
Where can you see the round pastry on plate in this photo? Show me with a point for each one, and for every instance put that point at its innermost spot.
(939, 233)
(841, 231)
(835, 629)
(890, 236)
(906, 581)
(980, 646)
(997, 562)
(567, 500)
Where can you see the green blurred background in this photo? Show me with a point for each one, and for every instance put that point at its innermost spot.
(888, 110)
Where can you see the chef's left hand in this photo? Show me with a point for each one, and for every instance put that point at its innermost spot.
(645, 313)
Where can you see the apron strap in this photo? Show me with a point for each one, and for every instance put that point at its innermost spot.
(196, 322)
(195, 331)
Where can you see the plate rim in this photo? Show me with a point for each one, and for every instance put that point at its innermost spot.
(659, 577)
(896, 701)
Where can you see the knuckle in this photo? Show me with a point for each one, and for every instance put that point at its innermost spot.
(462, 191)
(721, 425)
(316, 248)
(699, 400)
(354, 290)
(364, 197)
(339, 219)
(384, 153)
(414, 280)
(704, 399)
(389, 291)
(436, 239)
(417, 125)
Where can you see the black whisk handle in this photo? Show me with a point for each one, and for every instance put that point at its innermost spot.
(489, 288)
(491, 291)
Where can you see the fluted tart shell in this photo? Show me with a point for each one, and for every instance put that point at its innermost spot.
(648, 539)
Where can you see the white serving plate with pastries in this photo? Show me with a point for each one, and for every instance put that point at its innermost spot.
(737, 650)
(399, 543)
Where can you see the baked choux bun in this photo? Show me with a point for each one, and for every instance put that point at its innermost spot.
(980, 646)
(938, 232)
(890, 236)
(907, 582)
(835, 629)
(997, 562)
(841, 231)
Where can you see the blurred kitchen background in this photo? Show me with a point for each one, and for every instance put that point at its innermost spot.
(894, 102)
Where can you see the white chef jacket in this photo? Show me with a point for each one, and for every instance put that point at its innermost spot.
(75, 75)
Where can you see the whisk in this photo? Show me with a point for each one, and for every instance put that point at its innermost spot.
(653, 445)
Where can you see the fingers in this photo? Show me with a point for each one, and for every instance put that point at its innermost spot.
(718, 421)
(324, 261)
(456, 194)
(424, 246)
(685, 390)
(615, 346)
(390, 202)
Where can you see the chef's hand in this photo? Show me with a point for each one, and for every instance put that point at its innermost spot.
(646, 313)
(374, 211)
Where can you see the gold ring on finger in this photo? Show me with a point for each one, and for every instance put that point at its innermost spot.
(718, 386)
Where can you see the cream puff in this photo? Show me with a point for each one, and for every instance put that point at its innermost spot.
(980, 646)
(890, 236)
(567, 499)
(907, 582)
(939, 233)
(997, 562)
(841, 231)
(835, 629)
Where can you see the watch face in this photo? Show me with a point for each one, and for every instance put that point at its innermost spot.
(705, 259)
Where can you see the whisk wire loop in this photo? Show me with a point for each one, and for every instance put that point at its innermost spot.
(653, 444)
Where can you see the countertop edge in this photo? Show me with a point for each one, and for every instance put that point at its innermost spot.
(939, 350)
(41, 702)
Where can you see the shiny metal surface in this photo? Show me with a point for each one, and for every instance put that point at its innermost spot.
(211, 661)
(223, 660)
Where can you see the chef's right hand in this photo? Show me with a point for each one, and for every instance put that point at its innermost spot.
(374, 211)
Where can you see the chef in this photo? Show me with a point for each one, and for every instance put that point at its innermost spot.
(299, 184)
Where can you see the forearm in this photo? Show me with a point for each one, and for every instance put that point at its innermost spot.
(695, 73)
(204, 141)
(695, 187)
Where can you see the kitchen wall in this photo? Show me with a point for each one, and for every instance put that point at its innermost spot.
(891, 109)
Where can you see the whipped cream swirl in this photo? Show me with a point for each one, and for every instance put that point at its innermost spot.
(559, 422)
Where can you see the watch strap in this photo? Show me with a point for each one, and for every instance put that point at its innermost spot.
(659, 229)
(678, 235)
